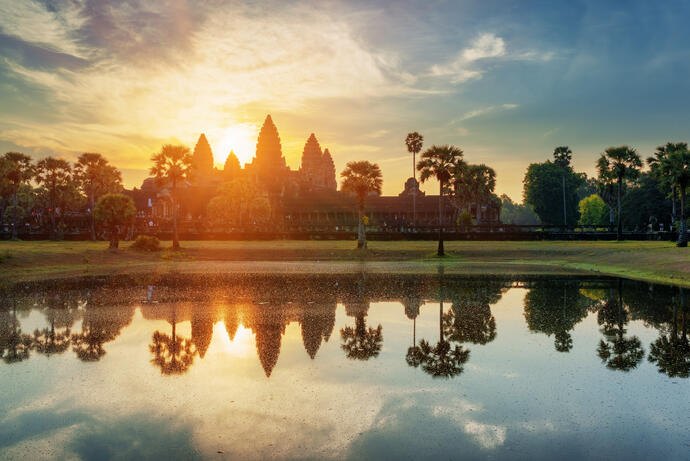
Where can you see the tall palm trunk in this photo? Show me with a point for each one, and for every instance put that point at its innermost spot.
(674, 214)
(414, 191)
(361, 236)
(565, 217)
(682, 236)
(440, 251)
(53, 235)
(92, 219)
(14, 224)
(619, 233)
(176, 241)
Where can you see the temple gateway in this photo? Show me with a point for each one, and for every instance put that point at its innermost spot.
(305, 199)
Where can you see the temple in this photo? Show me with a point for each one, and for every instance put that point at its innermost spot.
(306, 199)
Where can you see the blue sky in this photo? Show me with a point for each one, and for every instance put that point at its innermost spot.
(505, 80)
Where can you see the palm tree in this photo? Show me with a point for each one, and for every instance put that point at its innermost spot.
(172, 165)
(675, 168)
(619, 164)
(95, 178)
(19, 170)
(55, 175)
(361, 178)
(440, 162)
(414, 142)
(561, 157)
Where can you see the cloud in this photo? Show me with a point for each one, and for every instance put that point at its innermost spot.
(230, 65)
(485, 110)
(485, 46)
(466, 65)
(31, 22)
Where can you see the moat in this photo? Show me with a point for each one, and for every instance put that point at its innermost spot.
(363, 366)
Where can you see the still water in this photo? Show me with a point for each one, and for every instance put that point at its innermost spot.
(344, 367)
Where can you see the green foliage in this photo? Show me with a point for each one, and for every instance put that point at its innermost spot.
(562, 156)
(114, 210)
(361, 178)
(519, 214)
(239, 202)
(414, 142)
(147, 243)
(645, 203)
(593, 211)
(12, 211)
(543, 190)
(473, 184)
(464, 220)
(440, 162)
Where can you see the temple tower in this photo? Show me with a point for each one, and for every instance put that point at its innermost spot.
(312, 162)
(202, 158)
(328, 171)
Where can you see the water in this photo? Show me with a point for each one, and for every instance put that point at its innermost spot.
(344, 367)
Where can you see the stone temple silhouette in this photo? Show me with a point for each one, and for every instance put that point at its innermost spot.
(306, 198)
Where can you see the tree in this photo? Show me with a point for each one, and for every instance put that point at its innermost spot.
(542, 190)
(96, 177)
(561, 157)
(645, 203)
(593, 211)
(473, 184)
(18, 171)
(671, 352)
(514, 213)
(440, 162)
(238, 202)
(360, 179)
(555, 309)
(171, 166)
(56, 176)
(619, 165)
(654, 163)
(112, 211)
(414, 142)
(675, 168)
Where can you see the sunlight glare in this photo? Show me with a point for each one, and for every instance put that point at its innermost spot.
(240, 138)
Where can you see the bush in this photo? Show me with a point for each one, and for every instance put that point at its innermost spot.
(147, 243)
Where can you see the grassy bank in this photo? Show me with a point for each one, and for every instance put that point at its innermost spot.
(651, 261)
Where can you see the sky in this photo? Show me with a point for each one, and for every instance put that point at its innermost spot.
(506, 81)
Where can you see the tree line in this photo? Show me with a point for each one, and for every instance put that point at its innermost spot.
(553, 194)
(621, 195)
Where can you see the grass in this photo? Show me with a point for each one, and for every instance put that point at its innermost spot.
(650, 261)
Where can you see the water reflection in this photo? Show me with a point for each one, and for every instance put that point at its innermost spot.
(85, 316)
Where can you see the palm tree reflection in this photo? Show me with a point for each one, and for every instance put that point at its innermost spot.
(671, 352)
(442, 360)
(360, 342)
(616, 350)
(173, 354)
(14, 345)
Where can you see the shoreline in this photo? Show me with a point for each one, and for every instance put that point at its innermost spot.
(657, 262)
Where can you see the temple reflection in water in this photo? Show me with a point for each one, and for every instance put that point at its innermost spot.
(82, 317)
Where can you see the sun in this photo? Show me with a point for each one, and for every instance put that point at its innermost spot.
(241, 139)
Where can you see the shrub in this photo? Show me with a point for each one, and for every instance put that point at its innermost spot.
(147, 243)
